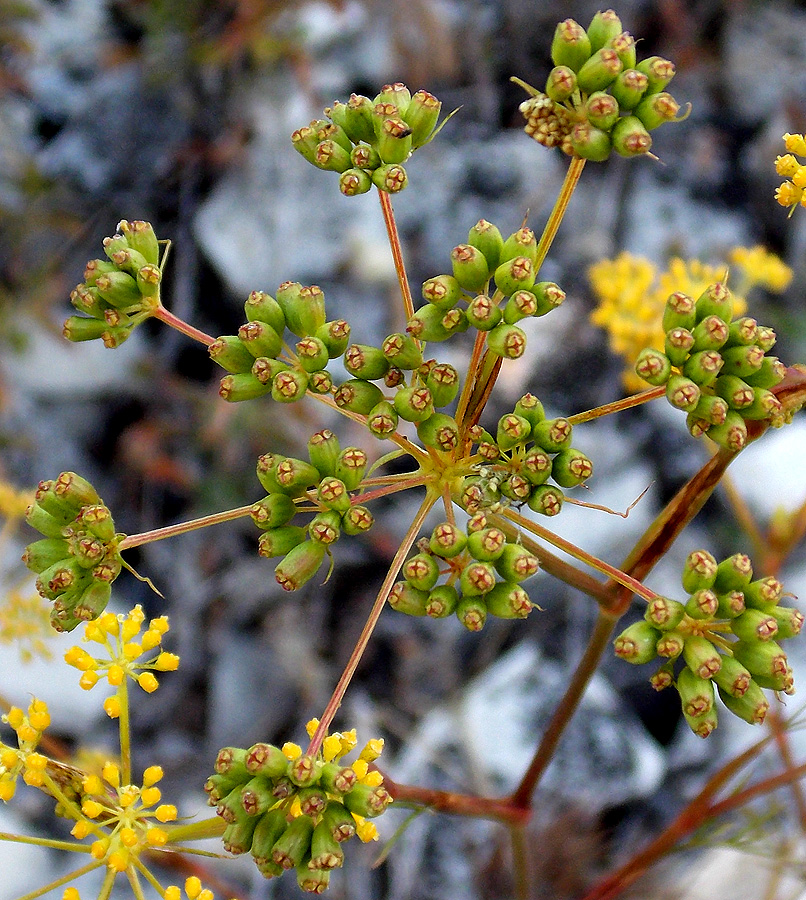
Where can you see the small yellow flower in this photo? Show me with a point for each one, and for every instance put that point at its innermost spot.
(791, 193)
(71, 893)
(193, 887)
(166, 662)
(166, 812)
(291, 750)
(173, 893)
(152, 775)
(331, 747)
(148, 682)
(112, 707)
(150, 796)
(372, 749)
(156, 837)
(795, 143)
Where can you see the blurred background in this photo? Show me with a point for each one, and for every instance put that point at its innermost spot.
(179, 112)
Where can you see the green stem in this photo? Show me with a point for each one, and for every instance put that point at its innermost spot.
(65, 879)
(560, 206)
(617, 575)
(106, 887)
(148, 537)
(45, 842)
(125, 733)
(134, 882)
(618, 405)
(197, 831)
(566, 708)
(375, 613)
(397, 251)
(161, 313)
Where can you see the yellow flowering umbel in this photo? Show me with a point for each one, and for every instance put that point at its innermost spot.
(24, 759)
(632, 294)
(121, 638)
(790, 193)
(293, 810)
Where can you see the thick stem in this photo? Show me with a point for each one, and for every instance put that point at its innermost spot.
(467, 387)
(125, 734)
(161, 313)
(566, 708)
(158, 534)
(560, 206)
(397, 251)
(197, 831)
(499, 810)
(375, 613)
(618, 405)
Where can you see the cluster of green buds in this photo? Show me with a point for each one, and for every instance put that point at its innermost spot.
(77, 560)
(367, 141)
(599, 97)
(472, 573)
(715, 367)
(494, 280)
(726, 635)
(252, 356)
(119, 292)
(321, 486)
(526, 452)
(291, 810)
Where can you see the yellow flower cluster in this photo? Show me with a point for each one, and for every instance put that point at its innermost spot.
(23, 759)
(120, 637)
(25, 622)
(193, 890)
(121, 817)
(632, 293)
(791, 192)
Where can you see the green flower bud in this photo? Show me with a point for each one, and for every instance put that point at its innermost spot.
(755, 625)
(663, 678)
(237, 836)
(357, 520)
(140, 236)
(732, 434)
(636, 644)
(765, 405)
(337, 779)
(442, 601)
(516, 488)
(653, 366)
(230, 762)
(77, 328)
(486, 545)
(335, 335)
(333, 131)
(382, 419)
(86, 549)
(549, 296)
(680, 312)
(256, 796)
(737, 393)
(421, 571)
(704, 725)
(571, 467)
(325, 527)
(624, 45)
(530, 408)
(365, 362)
(521, 243)
(659, 72)
(516, 563)
(599, 71)
(713, 410)
(507, 341)
(390, 178)
(783, 683)
(414, 404)
(242, 386)
(332, 492)
(356, 118)
(629, 88)
(472, 612)
(552, 435)
(229, 352)
(508, 601)
(630, 137)
(268, 831)
(520, 305)
(476, 579)
(266, 760)
(752, 706)
(396, 93)
(303, 307)
(742, 332)
(765, 338)
(289, 386)
(483, 313)
(512, 430)
(790, 621)
(470, 268)
(682, 393)
(326, 853)
(299, 565)
(771, 372)
(148, 280)
(731, 604)
(273, 511)
(715, 300)
(394, 140)
(279, 541)
(294, 476)
(447, 540)
(664, 614)
(696, 694)
(699, 571)
(118, 289)
(570, 46)
(536, 466)
(679, 341)
(129, 261)
(710, 333)
(400, 350)
(763, 594)
(656, 109)
(427, 325)
(45, 523)
(260, 339)
(312, 353)
(732, 678)
(743, 361)
(546, 500)
(353, 182)
(702, 604)
(351, 466)
(339, 821)
(484, 236)
(589, 142)
(602, 110)
(561, 83)
(422, 115)
(294, 843)
(603, 28)
(266, 370)
(406, 598)
(443, 382)
(443, 291)
(87, 300)
(305, 141)
(440, 432)
(261, 307)
(703, 367)
(670, 645)
(43, 554)
(358, 396)
(701, 656)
